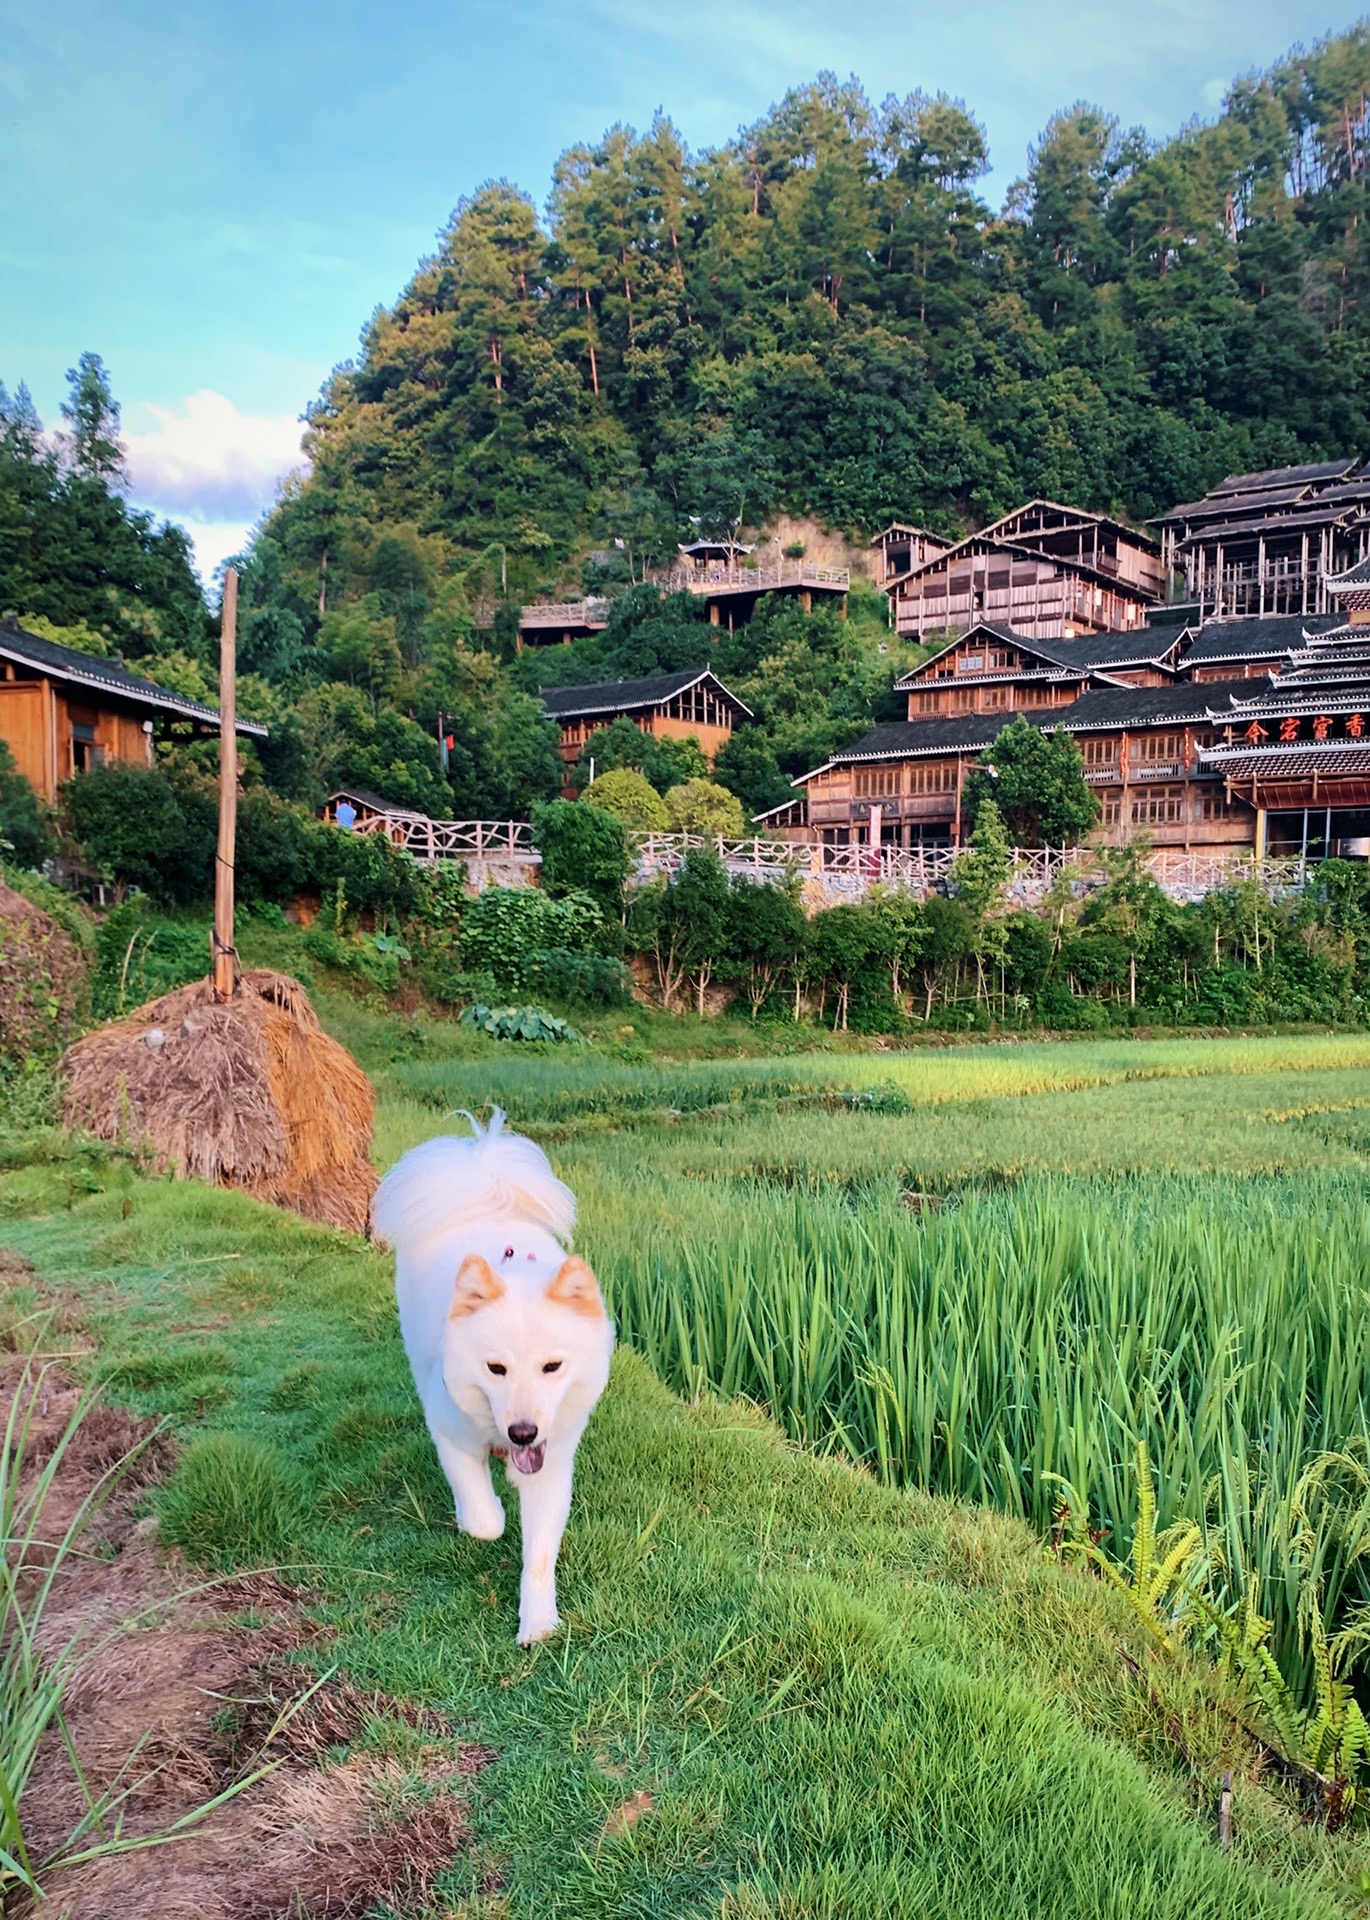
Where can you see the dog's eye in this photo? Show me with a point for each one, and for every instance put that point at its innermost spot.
(551, 1366)
(508, 1253)
(496, 1367)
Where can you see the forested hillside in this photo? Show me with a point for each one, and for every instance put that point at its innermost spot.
(824, 315)
(822, 318)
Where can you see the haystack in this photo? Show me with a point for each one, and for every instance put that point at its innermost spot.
(249, 1092)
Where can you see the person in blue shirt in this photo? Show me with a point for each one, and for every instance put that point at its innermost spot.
(345, 814)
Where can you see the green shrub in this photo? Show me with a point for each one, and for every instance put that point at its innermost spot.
(231, 1502)
(702, 806)
(147, 827)
(517, 1023)
(27, 838)
(631, 798)
(377, 878)
(592, 979)
(272, 859)
(504, 927)
(584, 850)
(140, 956)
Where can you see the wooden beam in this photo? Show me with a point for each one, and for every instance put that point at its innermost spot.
(225, 955)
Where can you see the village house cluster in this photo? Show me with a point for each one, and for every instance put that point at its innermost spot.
(1217, 679)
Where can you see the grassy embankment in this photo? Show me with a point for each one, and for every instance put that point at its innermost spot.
(843, 1698)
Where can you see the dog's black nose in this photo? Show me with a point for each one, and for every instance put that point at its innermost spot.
(523, 1433)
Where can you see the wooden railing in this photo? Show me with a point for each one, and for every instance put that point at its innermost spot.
(454, 839)
(786, 573)
(565, 613)
(845, 871)
(851, 870)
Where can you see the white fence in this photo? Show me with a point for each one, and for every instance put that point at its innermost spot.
(842, 873)
(850, 871)
(455, 839)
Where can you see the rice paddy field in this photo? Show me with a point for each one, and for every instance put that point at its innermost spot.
(887, 1318)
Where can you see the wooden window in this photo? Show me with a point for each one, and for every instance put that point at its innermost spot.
(1158, 807)
(1000, 659)
(997, 697)
(1100, 751)
(971, 663)
(1110, 809)
(932, 776)
(963, 700)
(927, 702)
(873, 783)
(1215, 805)
(1160, 748)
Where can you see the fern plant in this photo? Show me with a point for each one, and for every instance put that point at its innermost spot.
(1159, 1579)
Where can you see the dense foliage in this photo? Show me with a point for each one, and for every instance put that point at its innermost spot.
(824, 316)
(73, 553)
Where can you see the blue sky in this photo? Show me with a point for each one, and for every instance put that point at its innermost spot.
(215, 197)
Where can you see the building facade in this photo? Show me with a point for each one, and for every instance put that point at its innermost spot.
(1226, 735)
(64, 712)
(1045, 570)
(1272, 542)
(668, 706)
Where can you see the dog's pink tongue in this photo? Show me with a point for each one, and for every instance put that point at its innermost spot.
(528, 1459)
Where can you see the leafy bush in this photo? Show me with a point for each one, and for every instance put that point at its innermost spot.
(584, 850)
(517, 1023)
(146, 827)
(505, 926)
(631, 798)
(26, 832)
(376, 877)
(702, 806)
(593, 979)
(272, 858)
(140, 956)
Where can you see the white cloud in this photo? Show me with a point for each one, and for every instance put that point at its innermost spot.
(216, 541)
(208, 463)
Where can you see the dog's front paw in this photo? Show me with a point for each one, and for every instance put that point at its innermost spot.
(486, 1523)
(537, 1626)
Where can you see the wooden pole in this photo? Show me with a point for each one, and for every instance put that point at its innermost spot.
(225, 955)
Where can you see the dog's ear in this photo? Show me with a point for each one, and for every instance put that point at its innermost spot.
(477, 1286)
(574, 1286)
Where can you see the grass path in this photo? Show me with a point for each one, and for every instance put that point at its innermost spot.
(843, 1703)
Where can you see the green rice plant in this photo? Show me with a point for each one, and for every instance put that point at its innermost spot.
(1037, 1335)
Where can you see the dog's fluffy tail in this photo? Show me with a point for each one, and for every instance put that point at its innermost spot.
(450, 1180)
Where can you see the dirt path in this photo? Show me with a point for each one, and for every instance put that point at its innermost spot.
(185, 1689)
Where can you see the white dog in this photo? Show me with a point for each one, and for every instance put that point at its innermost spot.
(505, 1331)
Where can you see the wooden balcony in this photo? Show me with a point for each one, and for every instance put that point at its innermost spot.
(722, 578)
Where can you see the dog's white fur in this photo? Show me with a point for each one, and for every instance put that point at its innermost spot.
(505, 1330)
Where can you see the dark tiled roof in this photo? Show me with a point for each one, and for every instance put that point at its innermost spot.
(375, 801)
(1148, 706)
(88, 670)
(1357, 576)
(628, 696)
(1142, 647)
(1291, 476)
(901, 739)
(1237, 493)
(1253, 639)
(1289, 762)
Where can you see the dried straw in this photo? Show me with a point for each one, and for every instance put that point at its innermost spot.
(248, 1093)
